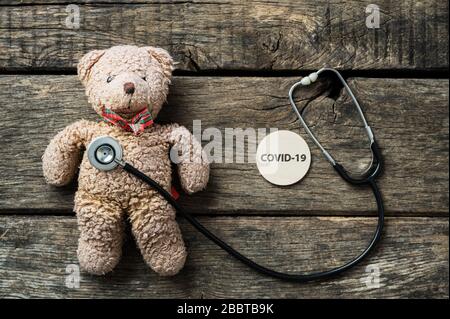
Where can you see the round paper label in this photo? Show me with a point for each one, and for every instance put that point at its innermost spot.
(283, 158)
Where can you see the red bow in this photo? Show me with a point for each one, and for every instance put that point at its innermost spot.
(137, 124)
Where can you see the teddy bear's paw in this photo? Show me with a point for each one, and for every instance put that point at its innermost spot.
(166, 257)
(97, 259)
(168, 263)
(194, 177)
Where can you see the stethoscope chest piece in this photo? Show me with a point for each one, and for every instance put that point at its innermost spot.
(104, 153)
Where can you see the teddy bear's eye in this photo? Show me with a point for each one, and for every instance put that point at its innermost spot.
(144, 78)
(109, 79)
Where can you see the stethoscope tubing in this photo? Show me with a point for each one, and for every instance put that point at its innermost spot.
(252, 264)
(367, 179)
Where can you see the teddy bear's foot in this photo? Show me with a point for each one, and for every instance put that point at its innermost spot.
(159, 239)
(101, 234)
(168, 259)
(97, 261)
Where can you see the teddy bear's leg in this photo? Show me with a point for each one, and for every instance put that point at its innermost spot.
(158, 235)
(101, 229)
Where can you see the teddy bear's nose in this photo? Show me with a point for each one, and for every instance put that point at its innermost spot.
(128, 88)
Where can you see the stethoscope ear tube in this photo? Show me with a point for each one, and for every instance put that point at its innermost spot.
(372, 173)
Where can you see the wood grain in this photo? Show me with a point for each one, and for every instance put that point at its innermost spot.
(409, 118)
(232, 34)
(412, 259)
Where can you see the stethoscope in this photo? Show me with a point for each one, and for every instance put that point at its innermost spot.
(105, 153)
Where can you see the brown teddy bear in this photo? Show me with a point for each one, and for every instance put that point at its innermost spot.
(127, 86)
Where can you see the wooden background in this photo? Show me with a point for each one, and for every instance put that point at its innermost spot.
(237, 60)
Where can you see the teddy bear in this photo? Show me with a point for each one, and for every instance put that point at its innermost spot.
(127, 86)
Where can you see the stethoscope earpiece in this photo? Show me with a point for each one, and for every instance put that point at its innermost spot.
(104, 153)
(375, 166)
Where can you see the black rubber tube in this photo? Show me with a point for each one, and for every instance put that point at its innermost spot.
(252, 264)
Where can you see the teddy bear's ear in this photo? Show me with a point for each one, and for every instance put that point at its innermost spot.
(87, 62)
(164, 58)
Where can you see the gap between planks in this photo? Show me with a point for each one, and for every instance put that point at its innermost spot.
(346, 73)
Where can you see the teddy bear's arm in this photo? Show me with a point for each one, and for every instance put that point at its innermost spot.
(63, 154)
(193, 166)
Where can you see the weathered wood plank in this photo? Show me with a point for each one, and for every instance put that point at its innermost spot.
(412, 259)
(232, 34)
(409, 118)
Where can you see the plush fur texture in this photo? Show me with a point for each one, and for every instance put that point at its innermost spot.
(105, 199)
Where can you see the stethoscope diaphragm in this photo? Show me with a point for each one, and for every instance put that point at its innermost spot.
(104, 153)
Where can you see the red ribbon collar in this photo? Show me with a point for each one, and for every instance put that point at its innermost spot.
(136, 125)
